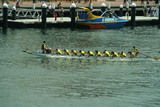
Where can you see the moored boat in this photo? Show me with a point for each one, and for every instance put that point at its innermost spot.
(107, 19)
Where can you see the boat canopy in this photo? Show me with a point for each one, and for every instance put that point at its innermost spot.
(90, 15)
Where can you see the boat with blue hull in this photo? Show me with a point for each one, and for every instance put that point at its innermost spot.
(107, 19)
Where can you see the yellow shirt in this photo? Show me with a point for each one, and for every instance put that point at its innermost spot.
(59, 51)
(91, 53)
(99, 54)
(115, 54)
(84, 53)
(107, 53)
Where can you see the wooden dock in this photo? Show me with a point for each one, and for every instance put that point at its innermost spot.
(65, 22)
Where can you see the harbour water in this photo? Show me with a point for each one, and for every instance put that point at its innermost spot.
(31, 81)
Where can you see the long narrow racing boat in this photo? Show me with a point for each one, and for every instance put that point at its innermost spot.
(91, 57)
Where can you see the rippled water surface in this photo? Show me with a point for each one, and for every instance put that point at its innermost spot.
(31, 81)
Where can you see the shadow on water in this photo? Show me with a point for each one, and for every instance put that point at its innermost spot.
(74, 64)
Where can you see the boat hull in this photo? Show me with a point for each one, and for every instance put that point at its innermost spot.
(91, 57)
(104, 25)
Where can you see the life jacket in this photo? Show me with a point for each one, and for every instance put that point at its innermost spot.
(136, 50)
(124, 55)
(83, 53)
(99, 54)
(59, 51)
(91, 53)
(115, 54)
(75, 52)
(67, 52)
(132, 55)
(107, 53)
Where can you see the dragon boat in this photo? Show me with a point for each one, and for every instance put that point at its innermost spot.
(91, 57)
(98, 19)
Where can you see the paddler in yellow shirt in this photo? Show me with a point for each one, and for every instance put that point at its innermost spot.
(58, 51)
(136, 50)
(66, 52)
(82, 53)
(114, 54)
(122, 54)
(90, 53)
(106, 53)
(98, 54)
(73, 52)
(132, 55)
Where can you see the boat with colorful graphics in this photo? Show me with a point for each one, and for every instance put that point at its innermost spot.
(107, 19)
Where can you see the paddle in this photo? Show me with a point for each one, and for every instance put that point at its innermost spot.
(150, 56)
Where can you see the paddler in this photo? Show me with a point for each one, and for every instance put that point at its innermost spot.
(82, 53)
(66, 52)
(90, 53)
(58, 51)
(97, 53)
(74, 52)
(114, 54)
(45, 49)
(136, 50)
(131, 54)
(106, 53)
(122, 54)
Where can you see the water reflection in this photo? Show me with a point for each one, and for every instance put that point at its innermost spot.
(74, 63)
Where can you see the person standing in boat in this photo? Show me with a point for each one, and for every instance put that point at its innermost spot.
(136, 50)
(45, 49)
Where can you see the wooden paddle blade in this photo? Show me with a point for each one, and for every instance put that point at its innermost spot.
(156, 58)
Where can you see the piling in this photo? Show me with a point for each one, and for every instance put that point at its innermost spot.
(121, 10)
(44, 9)
(133, 14)
(103, 7)
(14, 12)
(159, 15)
(73, 15)
(5, 16)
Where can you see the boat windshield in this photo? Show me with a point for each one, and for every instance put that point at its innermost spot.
(109, 14)
(97, 12)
